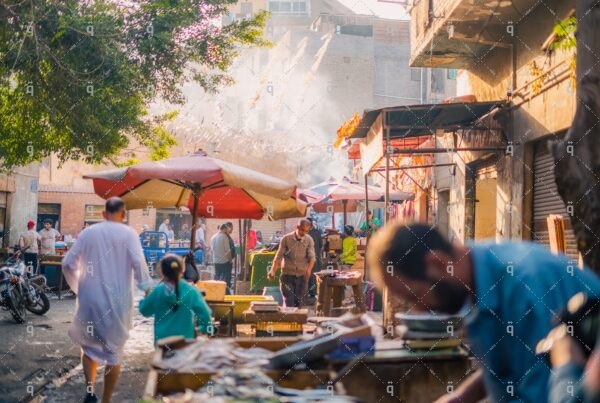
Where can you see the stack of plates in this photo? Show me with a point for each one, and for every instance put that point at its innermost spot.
(429, 331)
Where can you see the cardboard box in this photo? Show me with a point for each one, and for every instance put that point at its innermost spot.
(215, 290)
(335, 242)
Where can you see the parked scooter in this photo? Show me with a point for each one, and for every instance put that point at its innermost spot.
(21, 291)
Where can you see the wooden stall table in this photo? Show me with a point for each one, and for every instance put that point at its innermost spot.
(299, 316)
(277, 323)
(331, 288)
(394, 373)
(51, 267)
(223, 309)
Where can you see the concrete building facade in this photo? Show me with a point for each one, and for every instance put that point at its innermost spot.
(505, 54)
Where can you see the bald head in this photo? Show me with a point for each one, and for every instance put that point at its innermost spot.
(114, 209)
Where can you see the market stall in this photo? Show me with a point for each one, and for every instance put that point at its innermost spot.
(346, 359)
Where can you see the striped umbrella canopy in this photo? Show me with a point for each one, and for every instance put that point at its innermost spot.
(209, 187)
(343, 195)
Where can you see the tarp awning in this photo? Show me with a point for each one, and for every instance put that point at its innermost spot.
(418, 120)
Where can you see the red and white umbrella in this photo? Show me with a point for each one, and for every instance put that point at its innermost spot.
(209, 187)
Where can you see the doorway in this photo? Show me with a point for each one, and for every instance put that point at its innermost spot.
(485, 208)
(481, 192)
(443, 219)
(48, 211)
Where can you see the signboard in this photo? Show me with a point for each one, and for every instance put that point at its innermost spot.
(371, 150)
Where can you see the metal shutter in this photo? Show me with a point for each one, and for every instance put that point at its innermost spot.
(546, 200)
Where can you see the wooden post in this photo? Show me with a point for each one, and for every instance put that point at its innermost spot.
(576, 157)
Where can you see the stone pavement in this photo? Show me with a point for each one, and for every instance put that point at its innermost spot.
(39, 363)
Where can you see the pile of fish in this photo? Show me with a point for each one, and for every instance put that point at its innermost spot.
(219, 354)
(250, 385)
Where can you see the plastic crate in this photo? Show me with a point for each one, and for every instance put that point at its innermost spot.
(350, 347)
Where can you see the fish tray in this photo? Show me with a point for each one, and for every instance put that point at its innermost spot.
(163, 382)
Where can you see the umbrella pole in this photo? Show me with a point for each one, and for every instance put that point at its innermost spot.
(367, 218)
(345, 204)
(196, 193)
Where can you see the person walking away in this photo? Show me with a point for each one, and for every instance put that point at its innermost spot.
(221, 254)
(315, 234)
(48, 238)
(29, 243)
(175, 303)
(349, 248)
(296, 256)
(101, 269)
(507, 294)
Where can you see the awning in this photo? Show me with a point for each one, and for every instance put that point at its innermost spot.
(419, 120)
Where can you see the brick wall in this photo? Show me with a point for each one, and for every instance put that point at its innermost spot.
(72, 208)
(72, 211)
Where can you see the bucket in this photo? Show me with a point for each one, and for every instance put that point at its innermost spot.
(275, 292)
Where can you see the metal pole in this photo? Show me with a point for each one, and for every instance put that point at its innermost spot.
(444, 150)
(408, 167)
(196, 193)
(387, 174)
(366, 216)
(345, 204)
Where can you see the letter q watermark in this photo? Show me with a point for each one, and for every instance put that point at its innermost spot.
(510, 28)
(510, 329)
(570, 148)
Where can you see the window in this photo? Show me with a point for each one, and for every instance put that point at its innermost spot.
(246, 8)
(288, 7)
(451, 74)
(93, 212)
(415, 74)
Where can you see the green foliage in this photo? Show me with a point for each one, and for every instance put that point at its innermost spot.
(76, 75)
(565, 35)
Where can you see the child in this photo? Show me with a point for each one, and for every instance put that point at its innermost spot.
(174, 303)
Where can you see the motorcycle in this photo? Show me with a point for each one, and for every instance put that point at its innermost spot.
(19, 291)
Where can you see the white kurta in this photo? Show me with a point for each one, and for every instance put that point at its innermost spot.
(101, 268)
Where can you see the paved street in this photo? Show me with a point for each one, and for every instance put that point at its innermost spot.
(39, 363)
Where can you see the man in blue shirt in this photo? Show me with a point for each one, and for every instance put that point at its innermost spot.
(511, 291)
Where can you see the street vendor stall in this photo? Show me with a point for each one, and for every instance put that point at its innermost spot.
(347, 360)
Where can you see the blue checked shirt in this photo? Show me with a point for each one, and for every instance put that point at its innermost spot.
(520, 288)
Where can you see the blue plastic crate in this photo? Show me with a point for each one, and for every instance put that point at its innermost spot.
(350, 347)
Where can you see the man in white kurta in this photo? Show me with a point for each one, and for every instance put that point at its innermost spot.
(101, 269)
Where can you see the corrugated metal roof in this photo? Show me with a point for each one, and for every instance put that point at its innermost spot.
(418, 120)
